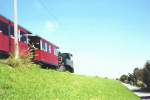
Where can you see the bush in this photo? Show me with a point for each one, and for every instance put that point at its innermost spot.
(23, 61)
(140, 84)
(131, 79)
(124, 78)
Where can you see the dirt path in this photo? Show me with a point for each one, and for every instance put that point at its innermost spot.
(142, 93)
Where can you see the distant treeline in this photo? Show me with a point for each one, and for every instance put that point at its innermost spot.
(139, 77)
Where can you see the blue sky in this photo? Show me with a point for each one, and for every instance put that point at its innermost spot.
(107, 37)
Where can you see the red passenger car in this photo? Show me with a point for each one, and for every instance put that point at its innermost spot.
(44, 51)
(7, 37)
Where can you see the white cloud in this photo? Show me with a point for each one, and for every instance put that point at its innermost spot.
(51, 26)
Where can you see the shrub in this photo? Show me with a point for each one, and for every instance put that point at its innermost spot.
(23, 61)
(140, 84)
(131, 79)
(124, 78)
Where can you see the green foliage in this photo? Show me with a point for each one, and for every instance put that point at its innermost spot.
(143, 75)
(140, 84)
(124, 78)
(146, 70)
(140, 77)
(34, 83)
(139, 74)
(132, 79)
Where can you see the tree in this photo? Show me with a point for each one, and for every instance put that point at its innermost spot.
(147, 74)
(139, 74)
(124, 78)
(132, 79)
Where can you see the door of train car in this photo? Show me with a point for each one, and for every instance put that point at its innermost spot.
(4, 36)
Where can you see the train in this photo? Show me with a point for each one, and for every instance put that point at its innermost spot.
(44, 52)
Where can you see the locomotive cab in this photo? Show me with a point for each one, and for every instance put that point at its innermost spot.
(65, 62)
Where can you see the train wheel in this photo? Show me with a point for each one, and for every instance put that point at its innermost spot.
(71, 70)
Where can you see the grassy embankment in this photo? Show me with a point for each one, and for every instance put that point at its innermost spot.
(34, 83)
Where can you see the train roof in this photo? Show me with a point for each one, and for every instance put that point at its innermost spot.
(41, 38)
(46, 41)
(8, 21)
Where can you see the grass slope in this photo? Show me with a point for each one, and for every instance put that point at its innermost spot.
(39, 84)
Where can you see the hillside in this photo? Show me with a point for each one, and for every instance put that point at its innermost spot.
(40, 84)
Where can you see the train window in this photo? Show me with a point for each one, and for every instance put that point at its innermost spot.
(49, 48)
(43, 46)
(4, 27)
(46, 47)
(0, 26)
(40, 44)
(55, 52)
(11, 31)
(23, 37)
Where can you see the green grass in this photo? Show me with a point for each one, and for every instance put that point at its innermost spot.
(33, 83)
